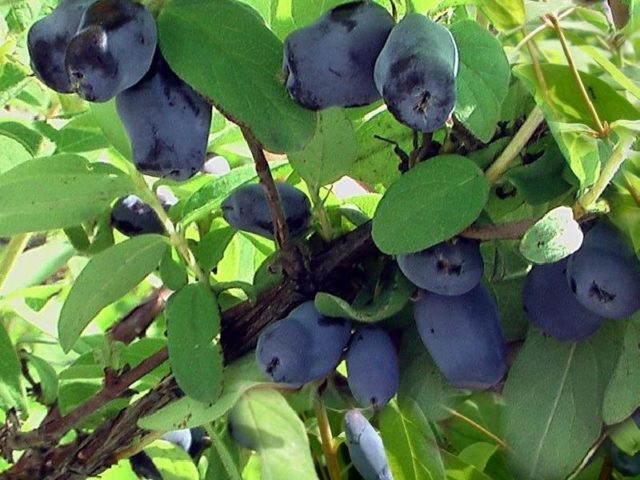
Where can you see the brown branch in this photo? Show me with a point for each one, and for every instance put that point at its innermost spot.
(51, 431)
(503, 231)
(136, 322)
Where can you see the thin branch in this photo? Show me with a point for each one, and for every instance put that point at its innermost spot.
(11, 254)
(617, 158)
(603, 131)
(113, 388)
(280, 227)
(515, 146)
(502, 231)
(328, 446)
(176, 238)
(136, 322)
(529, 36)
(292, 259)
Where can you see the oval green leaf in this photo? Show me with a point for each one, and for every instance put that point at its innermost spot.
(277, 433)
(551, 424)
(193, 320)
(480, 90)
(56, 192)
(432, 202)
(107, 277)
(552, 238)
(239, 69)
(330, 153)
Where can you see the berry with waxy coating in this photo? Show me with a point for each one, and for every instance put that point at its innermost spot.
(462, 333)
(302, 347)
(47, 42)
(167, 123)
(604, 274)
(552, 307)
(372, 366)
(452, 267)
(330, 62)
(416, 73)
(365, 447)
(112, 49)
(247, 209)
(131, 217)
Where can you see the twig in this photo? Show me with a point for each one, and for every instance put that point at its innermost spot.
(54, 430)
(515, 146)
(136, 322)
(603, 131)
(11, 254)
(176, 238)
(292, 259)
(325, 224)
(540, 28)
(503, 231)
(328, 447)
(617, 158)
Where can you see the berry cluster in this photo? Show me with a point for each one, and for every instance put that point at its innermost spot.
(109, 48)
(412, 65)
(569, 299)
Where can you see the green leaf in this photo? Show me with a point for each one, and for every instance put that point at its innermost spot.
(540, 180)
(47, 376)
(504, 14)
(107, 277)
(458, 469)
(330, 152)
(210, 249)
(37, 264)
(582, 151)
(568, 104)
(390, 295)
(242, 72)
(186, 412)
(30, 139)
(173, 271)
(552, 238)
(478, 454)
(81, 134)
(480, 90)
(56, 192)
(106, 116)
(172, 462)
(411, 447)
(626, 436)
(12, 153)
(625, 82)
(193, 321)
(432, 202)
(377, 162)
(623, 391)
(221, 462)
(211, 195)
(277, 433)
(553, 401)
(11, 389)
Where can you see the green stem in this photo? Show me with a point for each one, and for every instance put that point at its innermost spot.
(515, 146)
(591, 196)
(328, 447)
(12, 253)
(325, 225)
(555, 23)
(176, 238)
